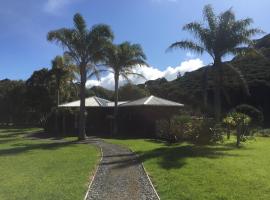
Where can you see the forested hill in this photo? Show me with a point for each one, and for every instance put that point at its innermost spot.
(189, 89)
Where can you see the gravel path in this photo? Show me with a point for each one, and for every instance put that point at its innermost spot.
(120, 176)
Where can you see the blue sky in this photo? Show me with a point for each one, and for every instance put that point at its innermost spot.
(155, 24)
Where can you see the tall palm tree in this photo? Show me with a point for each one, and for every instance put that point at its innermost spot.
(121, 59)
(219, 36)
(86, 48)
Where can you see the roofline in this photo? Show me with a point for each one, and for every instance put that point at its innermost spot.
(147, 100)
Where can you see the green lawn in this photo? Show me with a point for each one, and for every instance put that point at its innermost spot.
(43, 169)
(219, 172)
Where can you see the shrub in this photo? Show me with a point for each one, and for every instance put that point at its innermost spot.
(255, 114)
(197, 130)
(240, 122)
(177, 128)
(208, 131)
(60, 123)
(263, 132)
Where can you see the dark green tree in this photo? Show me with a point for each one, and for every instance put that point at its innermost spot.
(132, 92)
(39, 95)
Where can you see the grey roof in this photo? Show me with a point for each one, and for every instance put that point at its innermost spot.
(92, 102)
(146, 101)
(152, 101)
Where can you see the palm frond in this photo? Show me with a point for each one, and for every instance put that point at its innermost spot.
(210, 17)
(188, 45)
(79, 23)
(136, 74)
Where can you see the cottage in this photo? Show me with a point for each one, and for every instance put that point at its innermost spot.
(135, 118)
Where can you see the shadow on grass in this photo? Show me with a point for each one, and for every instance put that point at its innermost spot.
(14, 132)
(19, 148)
(174, 156)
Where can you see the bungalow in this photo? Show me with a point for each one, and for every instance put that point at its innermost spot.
(135, 118)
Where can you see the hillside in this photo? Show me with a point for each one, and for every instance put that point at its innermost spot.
(189, 89)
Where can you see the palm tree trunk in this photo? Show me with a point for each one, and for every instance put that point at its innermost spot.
(115, 127)
(217, 90)
(205, 87)
(238, 137)
(58, 96)
(82, 133)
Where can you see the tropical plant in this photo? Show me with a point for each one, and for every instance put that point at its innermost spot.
(251, 111)
(121, 59)
(86, 48)
(220, 36)
(62, 72)
(240, 122)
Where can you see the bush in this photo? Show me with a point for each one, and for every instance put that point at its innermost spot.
(196, 130)
(240, 122)
(255, 114)
(60, 123)
(175, 129)
(263, 132)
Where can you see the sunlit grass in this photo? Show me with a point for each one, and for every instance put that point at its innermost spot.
(43, 169)
(184, 171)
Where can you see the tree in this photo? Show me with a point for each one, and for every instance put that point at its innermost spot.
(86, 48)
(62, 72)
(39, 95)
(240, 122)
(132, 92)
(13, 108)
(219, 36)
(121, 59)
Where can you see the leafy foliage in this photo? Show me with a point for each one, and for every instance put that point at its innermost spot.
(186, 128)
(31, 101)
(240, 122)
(132, 92)
(87, 49)
(121, 59)
(219, 36)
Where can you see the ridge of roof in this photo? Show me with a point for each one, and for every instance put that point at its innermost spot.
(148, 99)
(95, 101)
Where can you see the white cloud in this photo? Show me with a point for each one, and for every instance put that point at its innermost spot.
(53, 6)
(150, 73)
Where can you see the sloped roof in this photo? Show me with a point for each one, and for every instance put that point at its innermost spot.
(89, 102)
(92, 102)
(152, 101)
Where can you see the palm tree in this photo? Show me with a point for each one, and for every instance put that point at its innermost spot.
(219, 36)
(86, 48)
(121, 59)
(62, 71)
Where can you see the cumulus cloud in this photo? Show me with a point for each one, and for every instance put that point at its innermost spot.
(150, 73)
(52, 6)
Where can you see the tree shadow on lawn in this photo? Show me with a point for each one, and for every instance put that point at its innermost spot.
(25, 147)
(14, 132)
(174, 156)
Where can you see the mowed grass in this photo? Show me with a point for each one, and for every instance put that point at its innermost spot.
(43, 169)
(219, 172)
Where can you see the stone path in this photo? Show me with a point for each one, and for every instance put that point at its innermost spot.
(120, 176)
